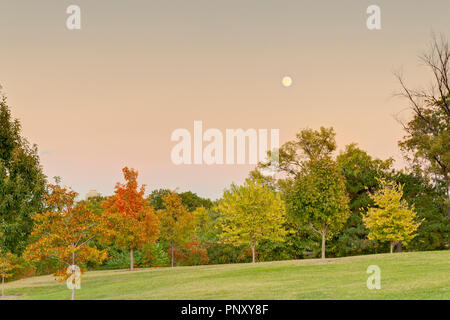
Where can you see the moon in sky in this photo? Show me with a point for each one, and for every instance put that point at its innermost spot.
(286, 81)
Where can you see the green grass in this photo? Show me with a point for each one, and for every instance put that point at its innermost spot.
(415, 275)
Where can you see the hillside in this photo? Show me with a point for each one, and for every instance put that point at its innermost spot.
(416, 275)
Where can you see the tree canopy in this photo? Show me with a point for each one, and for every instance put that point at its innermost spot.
(130, 217)
(177, 223)
(64, 234)
(391, 219)
(252, 213)
(318, 199)
(22, 183)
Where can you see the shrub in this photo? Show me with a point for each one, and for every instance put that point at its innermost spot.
(150, 255)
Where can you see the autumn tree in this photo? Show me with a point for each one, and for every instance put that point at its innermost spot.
(129, 215)
(317, 198)
(176, 222)
(390, 219)
(22, 182)
(202, 221)
(8, 263)
(64, 234)
(251, 213)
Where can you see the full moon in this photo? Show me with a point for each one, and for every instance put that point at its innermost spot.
(286, 81)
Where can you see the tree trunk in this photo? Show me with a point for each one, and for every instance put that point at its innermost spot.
(3, 285)
(323, 244)
(392, 247)
(447, 179)
(172, 253)
(448, 213)
(131, 260)
(253, 254)
(73, 273)
(399, 246)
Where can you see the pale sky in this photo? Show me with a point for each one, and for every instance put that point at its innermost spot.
(110, 94)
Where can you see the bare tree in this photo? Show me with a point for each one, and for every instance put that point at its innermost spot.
(427, 140)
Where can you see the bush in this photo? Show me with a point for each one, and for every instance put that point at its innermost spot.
(150, 255)
(191, 254)
(223, 254)
(153, 255)
(194, 254)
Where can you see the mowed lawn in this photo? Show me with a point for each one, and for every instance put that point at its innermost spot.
(415, 275)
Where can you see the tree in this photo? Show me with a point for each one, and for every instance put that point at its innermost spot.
(427, 200)
(64, 234)
(129, 215)
(156, 198)
(188, 198)
(251, 213)
(8, 263)
(318, 198)
(94, 204)
(391, 219)
(360, 172)
(22, 183)
(427, 141)
(192, 201)
(177, 222)
(308, 145)
(202, 222)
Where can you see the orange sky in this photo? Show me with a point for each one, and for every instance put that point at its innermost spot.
(110, 94)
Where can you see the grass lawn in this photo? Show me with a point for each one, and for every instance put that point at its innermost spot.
(415, 275)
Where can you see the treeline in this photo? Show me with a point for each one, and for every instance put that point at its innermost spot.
(313, 202)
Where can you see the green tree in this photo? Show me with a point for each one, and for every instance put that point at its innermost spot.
(189, 199)
(308, 145)
(94, 204)
(192, 201)
(428, 202)
(427, 141)
(360, 172)
(22, 183)
(390, 219)
(251, 213)
(156, 198)
(318, 198)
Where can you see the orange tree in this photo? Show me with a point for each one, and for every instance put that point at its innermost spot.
(177, 223)
(8, 264)
(64, 234)
(129, 215)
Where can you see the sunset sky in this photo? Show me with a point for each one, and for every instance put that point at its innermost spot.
(110, 95)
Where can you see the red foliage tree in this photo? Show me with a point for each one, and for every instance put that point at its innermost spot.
(130, 217)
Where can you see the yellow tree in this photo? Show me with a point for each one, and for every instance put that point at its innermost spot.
(8, 263)
(390, 219)
(129, 216)
(177, 222)
(64, 235)
(251, 213)
(202, 220)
